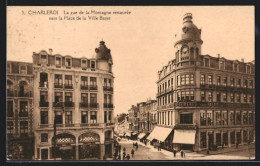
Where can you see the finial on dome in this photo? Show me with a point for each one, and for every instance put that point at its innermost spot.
(187, 18)
(102, 42)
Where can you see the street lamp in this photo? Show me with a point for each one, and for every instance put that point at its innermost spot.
(54, 128)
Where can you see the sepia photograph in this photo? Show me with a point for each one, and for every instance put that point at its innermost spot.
(122, 83)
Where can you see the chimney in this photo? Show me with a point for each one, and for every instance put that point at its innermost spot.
(50, 51)
(242, 60)
(218, 55)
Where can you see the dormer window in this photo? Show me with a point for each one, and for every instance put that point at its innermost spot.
(43, 59)
(83, 63)
(235, 67)
(207, 62)
(93, 64)
(221, 65)
(23, 70)
(248, 69)
(58, 61)
(68, 62)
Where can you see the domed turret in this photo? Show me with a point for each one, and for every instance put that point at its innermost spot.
(189, 30)
(102, 52)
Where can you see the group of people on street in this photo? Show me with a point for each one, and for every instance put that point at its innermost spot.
(135, 145)
(117, 152)
(182, 153)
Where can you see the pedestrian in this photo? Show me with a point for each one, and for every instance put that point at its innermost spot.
(181, 154)
(123, 155)
(136, 146)
(119, 157)
(174, 153)
(158, 147)
(128, 157)
(132, 152)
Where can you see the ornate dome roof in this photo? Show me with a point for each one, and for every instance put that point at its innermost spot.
(189, 30)
(102, 52)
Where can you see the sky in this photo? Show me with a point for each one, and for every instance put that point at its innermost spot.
(141, 43)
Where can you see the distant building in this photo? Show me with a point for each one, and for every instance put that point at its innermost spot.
(78, 93)
(19, 110)
(133, 119)
(203, 101)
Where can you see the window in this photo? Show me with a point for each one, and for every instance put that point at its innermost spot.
(58, 97)
(218, 117)
(105, 116)
(245, 98)
(109, 83)
(251, 98)
(238, 98)
(68, 97)
(250, 117)
(68, 117)
(93, 98)
(203, 118)
(232, 82)
(187, 79)
(182, 79)
(206, 62)
(178, 96)
(248, 69)
(245, 117)
(186, 118)
(210, 80)
(84, 63)
(10, 109)
(224, 118)
(239, 82)
(84, 117)
(224, 97)
(93, 64)
(23, 70)
(192, 79)
(221, 65)
(93, 117)
(172, 82)
(245, 83)
(182, 95)
(203, 143)
(225, 81)
(23, 128)
(68, 81)
(10, 128)
(202, 94)
(250, 83)
(210, 96)
(84, 83)
(202, 79)
(218, 80)
(218, 97)
(232, 97)
(235, 67)
(44, 96)
(58, 81)
(84, 98)
(58, 117)
(232, 137)
(238, 117)
(178, 81)
(68, 62)
(93, 83)
(105, 82)
(23, 89)
(232, 118)
(245, 140)
(44, 117)
(44, 59)
(209, 118)
(44, 137)
(187, 96)
(192, 96)
(58, 61)
(23, 109)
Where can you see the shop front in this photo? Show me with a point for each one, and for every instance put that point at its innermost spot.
(89, 146)
(161, 136)
(184, 139)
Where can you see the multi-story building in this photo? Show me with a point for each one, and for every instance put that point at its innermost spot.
(76, 94)
(133, 120)
(19, 110)
(204, 101)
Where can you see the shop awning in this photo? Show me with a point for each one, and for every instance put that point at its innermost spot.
(128, 134)
(184, 137)
(159, 133)
(141, 135)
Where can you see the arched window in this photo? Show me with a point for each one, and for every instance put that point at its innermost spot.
(197, 53)
(23, 89)
(192, 53)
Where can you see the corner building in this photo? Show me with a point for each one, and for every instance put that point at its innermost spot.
(79, 93)
(204, 102)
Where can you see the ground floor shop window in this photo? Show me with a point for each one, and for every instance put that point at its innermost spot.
(89, 150)
(232, 137)
(225, 138)
(44, 154)
(238, 134)
(218, 139)
(245, 140)
(203, 140)
(251, 135)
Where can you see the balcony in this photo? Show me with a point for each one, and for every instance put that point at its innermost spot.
(24, 94)
(68, 104)
(44, 104)
(84, 87)
(43, 84)
(58, 86)
(58, 104)
(68, 86)
(107, 88)
(108, 105)
(93, 105)
(83, 105)
(93, 87)
(10, 93)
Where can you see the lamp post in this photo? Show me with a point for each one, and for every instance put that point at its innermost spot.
(54, 128)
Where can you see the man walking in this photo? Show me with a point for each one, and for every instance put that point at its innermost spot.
(174, 153)
(132, 152)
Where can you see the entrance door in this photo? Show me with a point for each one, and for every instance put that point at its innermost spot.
(108, 150)
(210, 141)
(44, 154)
